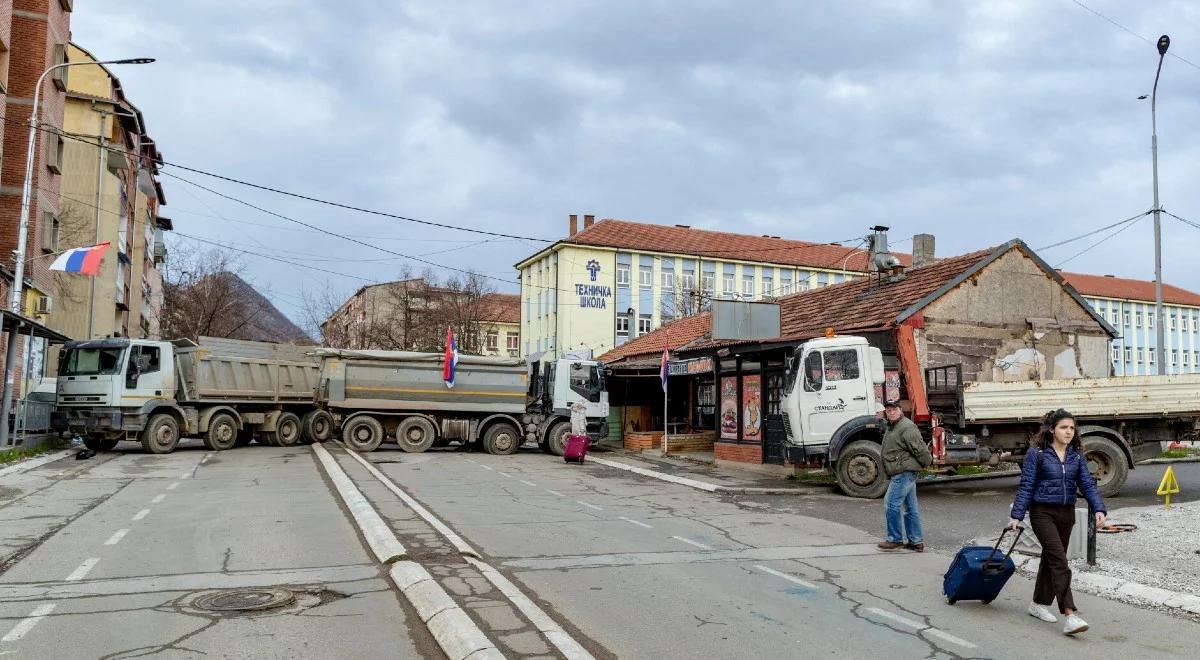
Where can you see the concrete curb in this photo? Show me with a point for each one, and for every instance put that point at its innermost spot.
(454, 631)
(1167, 461)
(457, 541)
(1106, 586)
(29, 464)
(379, 536)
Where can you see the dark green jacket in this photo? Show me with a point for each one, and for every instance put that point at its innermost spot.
(904, 449)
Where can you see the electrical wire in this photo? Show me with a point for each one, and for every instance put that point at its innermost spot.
(1096, 231)
(1122, 27)
(1183, 220)
(1093, 245)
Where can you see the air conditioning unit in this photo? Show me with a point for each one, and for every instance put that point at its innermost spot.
(45, 305)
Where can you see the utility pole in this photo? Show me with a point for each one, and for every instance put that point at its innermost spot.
(101, 165)
(1160, 352)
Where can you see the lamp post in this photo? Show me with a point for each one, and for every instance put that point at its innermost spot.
(22, 237)
(1164, 42)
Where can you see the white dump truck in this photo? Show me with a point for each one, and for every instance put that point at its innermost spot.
(226, 391)
(832, 399)
(496, 403)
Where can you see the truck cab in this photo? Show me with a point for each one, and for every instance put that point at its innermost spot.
(108, 386)
(556, 385)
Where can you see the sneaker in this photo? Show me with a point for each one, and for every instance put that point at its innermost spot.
(1042, 612)
(890, 545)
(915, 547)
(1074, 625)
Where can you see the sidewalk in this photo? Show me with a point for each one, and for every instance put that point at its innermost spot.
(707, 476)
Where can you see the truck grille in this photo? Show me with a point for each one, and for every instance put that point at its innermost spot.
(78, 400)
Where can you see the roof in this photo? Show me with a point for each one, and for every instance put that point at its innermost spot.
(1107, 286)
(501, 308)
(856, 306)
(678, 239)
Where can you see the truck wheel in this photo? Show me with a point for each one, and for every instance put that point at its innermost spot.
(161, 434)
(363, 433)
(222, 432)
(1107, 464)
(288, 429)
(318, 426)
(268, 438)
(860, 470)
(415, 434)
(556, 438)
(501, 438)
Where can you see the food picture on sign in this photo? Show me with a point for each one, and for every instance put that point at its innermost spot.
(751, 407)
(729, 409)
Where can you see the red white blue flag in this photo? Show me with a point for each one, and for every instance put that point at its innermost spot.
(451, 358)
(662, 372)
(84, 260)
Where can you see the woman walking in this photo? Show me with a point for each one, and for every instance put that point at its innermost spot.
(1053, 471)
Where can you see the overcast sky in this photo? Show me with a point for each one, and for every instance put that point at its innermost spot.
(977, 122)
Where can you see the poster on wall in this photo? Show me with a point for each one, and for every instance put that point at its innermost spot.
(729, 409)
(890, 389)
(751, 407)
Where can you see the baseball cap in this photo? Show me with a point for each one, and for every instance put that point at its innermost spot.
(891, 403)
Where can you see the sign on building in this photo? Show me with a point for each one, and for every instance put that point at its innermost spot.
(733, 319)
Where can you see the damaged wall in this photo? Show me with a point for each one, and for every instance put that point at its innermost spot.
(1012, 321)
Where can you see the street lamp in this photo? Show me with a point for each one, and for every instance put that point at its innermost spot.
(1164, 42)
(22, 236)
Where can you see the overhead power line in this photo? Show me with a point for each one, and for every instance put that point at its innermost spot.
(1089, 248)
(1125, 29)
(1183, 220)
(1096, 231)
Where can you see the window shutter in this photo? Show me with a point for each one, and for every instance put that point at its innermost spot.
(49, 232)
(59, 75)
(54, 152)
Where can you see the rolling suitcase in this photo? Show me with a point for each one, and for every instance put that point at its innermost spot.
(576, 449)
(979, 572)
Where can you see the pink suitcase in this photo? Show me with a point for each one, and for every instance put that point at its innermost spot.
(576, 449)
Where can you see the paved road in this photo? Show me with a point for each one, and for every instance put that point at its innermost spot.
(107, 558)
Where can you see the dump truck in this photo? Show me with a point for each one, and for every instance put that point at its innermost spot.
(496, 403)
(832, 411)
(226, 391)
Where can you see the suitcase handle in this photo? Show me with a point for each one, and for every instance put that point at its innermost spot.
(990, 565)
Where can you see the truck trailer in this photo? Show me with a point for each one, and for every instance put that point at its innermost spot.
(833, 413)
(496, 403)
(224, 390)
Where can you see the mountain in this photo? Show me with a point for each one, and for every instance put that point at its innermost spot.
(264, 322)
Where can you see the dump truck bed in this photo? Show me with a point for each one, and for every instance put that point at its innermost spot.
(232, 370)
(1090, 398)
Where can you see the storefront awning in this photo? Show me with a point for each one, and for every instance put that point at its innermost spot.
(24, 325)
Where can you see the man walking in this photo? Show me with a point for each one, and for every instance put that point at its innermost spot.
(904, 455)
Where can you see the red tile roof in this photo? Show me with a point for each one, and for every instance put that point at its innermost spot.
(501, 308)
(1107, 286)
(639, 236)
(677, 334)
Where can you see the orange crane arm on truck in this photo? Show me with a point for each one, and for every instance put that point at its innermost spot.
(910, 368)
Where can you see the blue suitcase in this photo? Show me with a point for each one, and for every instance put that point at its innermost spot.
(979, 572)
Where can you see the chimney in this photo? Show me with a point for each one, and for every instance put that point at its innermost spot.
(588, 221)
(922, 250)
(574, 225)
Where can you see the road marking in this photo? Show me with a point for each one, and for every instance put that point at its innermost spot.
(141, 514)
(471, 460)
(25, 625)
(206, 457)
(116, 537)
(185, 475)
(590, 506)
(529, 483)
(790, 578)
(904, 621)
(173, 485)
(945, 636)
(84, 568)
(636, 522)
(158, 498)
(486, 467)
(505, 474)
(691, 542)
(555, 493)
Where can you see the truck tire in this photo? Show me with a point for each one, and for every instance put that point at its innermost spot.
(161, 434)
(556, 438)
(363, 433)
(1107, 464)
(318, 426)
(222, 432)
(103, 442)
(415, 434)
(502, 438)
(288, 430)
(860, 470)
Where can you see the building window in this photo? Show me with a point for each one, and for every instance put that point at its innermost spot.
(1174, 322)
(643, 324)
(646, 276)
(1174, 357)
(1150, 316)
(1116, 353)
(708, 282)
(513, 341)
(1126, 318)
(1195, 324)
(622, 274)
(727, 285)
(493, 340)
(822, 279)
(1137, 319)
(785, 283)
(668, 279)
(49, 232)
(1128, 355)
(687, 282)
(748, 287)
(622, 325)
(768, 287)
(1151, 356)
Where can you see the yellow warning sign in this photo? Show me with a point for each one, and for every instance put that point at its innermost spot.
(1168, 486)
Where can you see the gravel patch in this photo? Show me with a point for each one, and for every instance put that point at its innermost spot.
(1164, 551)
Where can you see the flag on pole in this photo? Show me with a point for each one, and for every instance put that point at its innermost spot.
(451, 357)
(663, 369)
(84, 260)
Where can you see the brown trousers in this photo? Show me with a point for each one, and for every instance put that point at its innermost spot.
(1052, 526)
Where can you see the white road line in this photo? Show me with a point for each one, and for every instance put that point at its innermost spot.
(902, 620)
(486, 467)
(505, 474)
(158, 498)
(691, 542)
(84, 568)
(636, 522)
(116, 537)
(590, 506)
(25, 625)
(555, 493)
(945, 636)
(790, 578)
(185, 475)
(173, 485)
(471, 460)
(141, 514)
(529, 483)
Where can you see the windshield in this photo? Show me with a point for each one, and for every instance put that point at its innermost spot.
(586, 381)
(92, 362)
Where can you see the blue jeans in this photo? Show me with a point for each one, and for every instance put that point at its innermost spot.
(902, 492)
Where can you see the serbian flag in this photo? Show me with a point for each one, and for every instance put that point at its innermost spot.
(84, 260)
(662, 371)
(451, 357)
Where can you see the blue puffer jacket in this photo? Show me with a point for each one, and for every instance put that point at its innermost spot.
(1047, 480)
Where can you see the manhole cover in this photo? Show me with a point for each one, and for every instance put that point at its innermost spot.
(245, 600)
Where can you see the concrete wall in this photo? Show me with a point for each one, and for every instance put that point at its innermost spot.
(1013, 322)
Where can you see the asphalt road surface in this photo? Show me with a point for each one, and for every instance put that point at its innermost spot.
(119, 557)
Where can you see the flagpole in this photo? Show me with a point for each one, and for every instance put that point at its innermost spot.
(665, 377)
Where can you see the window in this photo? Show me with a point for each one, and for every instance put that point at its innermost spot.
(91, 362)
(1128, 354)
(688, 281)
(1137, 319)
(1126, 314)
(122, 271)
(1151, 356)
(644, 324)
(785, 283)
(708, 282)
(813, 372)
(492, 341)
(841, 365)
(513, 341)
(1174, 357)
(622, 325)
(585, 380)
(727, 285)
(1150, 316)
(49, 232)
(1141, 355)
(668, 279)
(1195, 324)
(54, 152)
(748, 287)
(142, 360)
(1174, 322)
(822, 279)
(768, 287)
(1116, 353)
(646, 276)
(622, 274)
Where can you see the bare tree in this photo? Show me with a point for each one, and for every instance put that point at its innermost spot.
(320, 305)
(203, 294)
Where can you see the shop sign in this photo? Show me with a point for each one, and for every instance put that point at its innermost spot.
(692, 367)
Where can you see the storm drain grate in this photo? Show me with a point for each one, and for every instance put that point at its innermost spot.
(245, 600)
